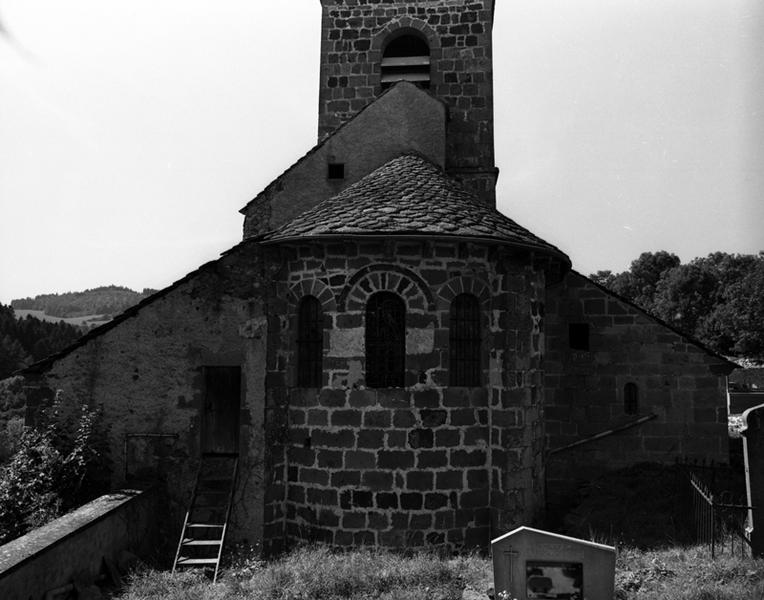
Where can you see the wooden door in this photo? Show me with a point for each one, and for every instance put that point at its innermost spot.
(222, 392)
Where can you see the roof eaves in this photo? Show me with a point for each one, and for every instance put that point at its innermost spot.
(451, 237)
(46, 363)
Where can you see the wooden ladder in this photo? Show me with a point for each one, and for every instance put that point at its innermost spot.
(201, 540)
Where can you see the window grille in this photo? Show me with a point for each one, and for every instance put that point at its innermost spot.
(630, 399)
(464, 341)
(385, 340)
(310, 342)
(406, 58)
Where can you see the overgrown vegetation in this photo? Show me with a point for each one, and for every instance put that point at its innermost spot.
(323, 574)
(320, 574)
(56, 467)
(687, 574)
(718, 299)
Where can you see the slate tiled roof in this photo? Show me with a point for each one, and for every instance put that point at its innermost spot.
(409, 196)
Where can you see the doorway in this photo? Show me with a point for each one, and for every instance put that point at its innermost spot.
(220, 421)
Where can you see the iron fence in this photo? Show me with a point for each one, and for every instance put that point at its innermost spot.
(717, 508)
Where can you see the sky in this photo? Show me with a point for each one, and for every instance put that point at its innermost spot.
(132, 132)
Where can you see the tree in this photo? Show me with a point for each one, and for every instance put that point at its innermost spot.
(718, 299)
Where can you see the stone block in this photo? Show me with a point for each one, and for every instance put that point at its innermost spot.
(346, 417)
(419, 480)
(432, 459)
(330, 459)
(395, 459)
(447, 438)
(354, 520)
(360, 459)
(313, 476)
(345, 478)
(386, 500)
(377, 418)
(412, 501)
(432, 418)
(420, 438)
(371, 438)
(468, 458)
(377, 480)
(449, 480)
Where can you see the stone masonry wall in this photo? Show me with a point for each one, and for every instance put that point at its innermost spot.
(424, 464)
(678, 381)
(353, 36)
(145, 374)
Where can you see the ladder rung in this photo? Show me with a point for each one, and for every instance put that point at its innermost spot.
(195, 542)
(215, 525)
(184, 560)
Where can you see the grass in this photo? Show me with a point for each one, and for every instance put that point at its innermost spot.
(687, 574)
(320, 574)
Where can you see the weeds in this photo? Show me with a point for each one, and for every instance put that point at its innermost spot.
(318, 573)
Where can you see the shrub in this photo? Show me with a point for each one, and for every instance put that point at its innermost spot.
(58, 465)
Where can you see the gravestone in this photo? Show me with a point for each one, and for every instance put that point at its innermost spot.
(530, 564)
(753, 451)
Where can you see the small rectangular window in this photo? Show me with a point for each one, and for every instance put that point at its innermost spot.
(336, 171)
(578, 336)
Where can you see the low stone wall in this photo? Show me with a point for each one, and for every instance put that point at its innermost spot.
(73, 547)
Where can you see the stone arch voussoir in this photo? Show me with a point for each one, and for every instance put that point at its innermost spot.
(384, 278)
(312, 287)
(464, 285)
(401, 27)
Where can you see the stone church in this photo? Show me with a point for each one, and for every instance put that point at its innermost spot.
(392, 360)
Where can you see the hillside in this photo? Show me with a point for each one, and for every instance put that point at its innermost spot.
(24, 341)
(106, 300)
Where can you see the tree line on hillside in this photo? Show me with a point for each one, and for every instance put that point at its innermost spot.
(105, 300)
(718, 299)
(25, 341)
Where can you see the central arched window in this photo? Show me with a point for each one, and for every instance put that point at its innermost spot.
(310, 342)
(406, 58)
(385, 340)
(464, 341)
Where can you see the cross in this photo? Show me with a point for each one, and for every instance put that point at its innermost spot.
(510, 554)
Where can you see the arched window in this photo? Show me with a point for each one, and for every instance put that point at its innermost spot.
(631, 399)
(385, 340)
(464, 341)
(406, 58)
(310, 342)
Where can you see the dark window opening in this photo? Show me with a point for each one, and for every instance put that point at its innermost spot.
(406, 58)
(336, 171)
(578, 336)
(630, 399)
(310, 342)
(464, 341)
(385, 340)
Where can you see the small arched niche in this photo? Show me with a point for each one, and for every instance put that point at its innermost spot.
(406, 58)
(631, 398)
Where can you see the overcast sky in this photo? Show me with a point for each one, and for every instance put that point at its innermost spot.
(132, 132)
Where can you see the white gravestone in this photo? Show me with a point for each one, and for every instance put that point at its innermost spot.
(530, 564)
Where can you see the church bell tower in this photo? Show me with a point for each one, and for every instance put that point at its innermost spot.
(443, 46)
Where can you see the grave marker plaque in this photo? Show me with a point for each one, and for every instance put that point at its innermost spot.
(531, 564)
